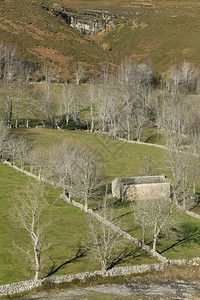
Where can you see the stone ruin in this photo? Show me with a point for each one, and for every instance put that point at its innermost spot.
(141, 188)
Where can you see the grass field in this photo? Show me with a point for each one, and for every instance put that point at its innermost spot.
(186, 245)
(68, 229)
(69, 226)
(119, 159)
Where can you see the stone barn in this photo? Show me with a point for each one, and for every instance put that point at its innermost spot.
(141, 188)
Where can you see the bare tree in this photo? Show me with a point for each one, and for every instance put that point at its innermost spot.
(86, 173)
(67, 96)
(142, 216)
(21, 73)
(183, 166)
(161, 219)
(3, 137)
(182, 78)
(139, 122)
(93, 96)
(23, 151)
(175, 119)
(10, 71)
(128, 110)
(28, 70)
(51, 74)
(103, 240)
(79, 73)
(38, 160)
(12, 148)
(62, 164)
(154, 217)
(76, 108)
(28, 214)
(148, 165)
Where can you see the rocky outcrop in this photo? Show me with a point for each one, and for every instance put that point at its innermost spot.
(89, 22)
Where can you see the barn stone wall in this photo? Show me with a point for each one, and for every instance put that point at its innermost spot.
(141, 188)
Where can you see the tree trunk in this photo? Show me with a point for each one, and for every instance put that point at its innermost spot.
(86, 205)
(36, 254)
(37, 263)
(18, 104)
(154, 243)
(10, 105)
(143, 235)
(28, 110)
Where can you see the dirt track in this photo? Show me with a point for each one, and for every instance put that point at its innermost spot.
(178, 289)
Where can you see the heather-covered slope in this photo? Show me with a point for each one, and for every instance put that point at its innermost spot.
(41, 35)
(165, 32)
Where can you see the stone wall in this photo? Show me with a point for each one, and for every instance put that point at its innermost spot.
(151, 191)
(115, 228)
(189, 213)
(22, 286)
(141, 188)
(118, 271)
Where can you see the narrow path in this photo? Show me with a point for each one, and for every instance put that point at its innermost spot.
(177, 289)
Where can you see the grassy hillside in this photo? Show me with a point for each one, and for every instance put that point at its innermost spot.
(70, 224)
(68, 229)
(40, 35)
(119, 159)
(164, 32)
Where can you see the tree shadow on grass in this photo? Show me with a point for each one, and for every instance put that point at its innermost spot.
(126, 256)
(80, 253)
(190, 235)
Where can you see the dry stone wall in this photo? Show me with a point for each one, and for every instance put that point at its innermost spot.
(141, 188)
(22, 286)
(18, 287)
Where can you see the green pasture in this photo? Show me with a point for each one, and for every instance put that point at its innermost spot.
(184, 245)
(119, 159)
(68, 230)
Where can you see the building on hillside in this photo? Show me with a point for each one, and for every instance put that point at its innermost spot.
(141, 188)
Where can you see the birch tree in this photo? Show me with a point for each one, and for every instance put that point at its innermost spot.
(38, 160)
(12, 148)
(142, 216)
(79, 73)
(28, 214)
(160, 212)
(3, 137)
(103, 241)
(10, 71)
(86, 176)
(93, 97)
(67, 96)
(51, 74)
(20, 80)
(154, 217)
(62, 165)
(23, 151)
(183, 164)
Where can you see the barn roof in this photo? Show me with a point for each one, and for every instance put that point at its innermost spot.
(142, 180)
